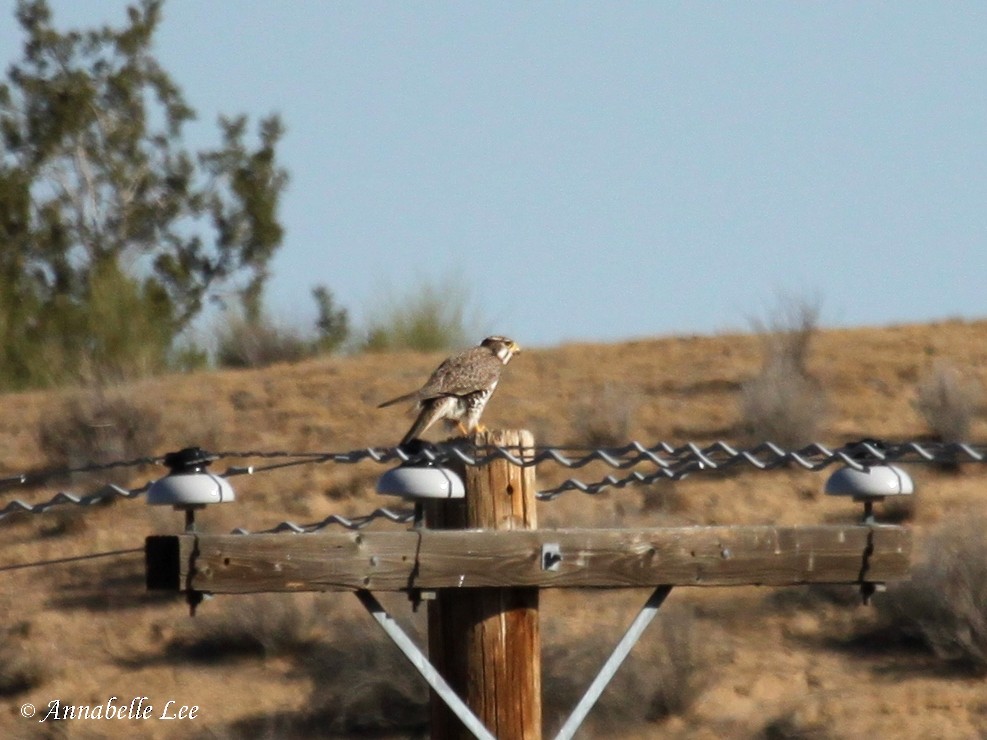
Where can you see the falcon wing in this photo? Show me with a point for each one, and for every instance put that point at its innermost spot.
(467, 372)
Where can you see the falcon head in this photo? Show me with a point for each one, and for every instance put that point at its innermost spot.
(503, 347)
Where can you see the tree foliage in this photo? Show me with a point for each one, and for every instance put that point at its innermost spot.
(113, 234)
(428, 317)
(332, 322)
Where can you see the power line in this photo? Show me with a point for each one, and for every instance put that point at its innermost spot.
(105, 493)
(72, 559)
(357, 522)
(668, 462)
(718, 455)
(41, 477)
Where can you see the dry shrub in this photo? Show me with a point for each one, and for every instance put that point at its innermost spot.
(245, 344)
(815, 597)
(945, 602)
(63, 521)
(351, 486)
(605, 417)
(784, 404)
(662, 498)
(792, 725)
(430, 316)
(260, 625)
(898, 509)
(108, 586)
(662, 676)
(20, 669)
(100, 426)
(948, 402)
(789, 330)
(365, 687)
(362, 686)
(674, 665)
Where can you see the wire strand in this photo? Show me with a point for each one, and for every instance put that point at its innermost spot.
(666, 462)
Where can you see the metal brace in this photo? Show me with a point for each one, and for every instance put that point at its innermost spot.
(621, 651)
(551, 557)
(420, 661)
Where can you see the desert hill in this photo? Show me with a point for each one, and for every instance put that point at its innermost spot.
(746, 662)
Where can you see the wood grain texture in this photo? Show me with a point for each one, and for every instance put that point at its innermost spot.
(595, 558)
(486, 641)
(482, 557)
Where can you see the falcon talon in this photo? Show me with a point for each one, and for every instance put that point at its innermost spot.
(415, 448)
(458, 390)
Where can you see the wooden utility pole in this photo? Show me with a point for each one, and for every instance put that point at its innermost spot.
(486, 642)
(484, 561)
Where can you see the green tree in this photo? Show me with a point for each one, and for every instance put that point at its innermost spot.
(332, 323)
(112, 233)
(429, 317)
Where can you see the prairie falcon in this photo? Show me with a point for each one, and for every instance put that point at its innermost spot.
(460, 387)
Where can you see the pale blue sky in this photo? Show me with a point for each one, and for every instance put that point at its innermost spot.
(607, 170)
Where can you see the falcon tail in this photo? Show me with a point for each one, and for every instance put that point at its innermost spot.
(425, 419)
(406, 397)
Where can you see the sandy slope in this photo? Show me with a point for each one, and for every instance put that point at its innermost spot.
(785, 660)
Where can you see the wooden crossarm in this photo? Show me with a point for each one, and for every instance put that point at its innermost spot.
(605, 558)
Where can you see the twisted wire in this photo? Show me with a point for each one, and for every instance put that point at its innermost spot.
(105, 493)
(357, 522)
(41, 477)
(634, 479)
(717, 456)
(671, 463)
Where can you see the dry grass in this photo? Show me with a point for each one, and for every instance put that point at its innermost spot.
(364, 687)
(100, 425)
(428, 317)
(783, 406)
(948, 402)
(605, 417)
(661, 678)
(772, 668)
(241, 344)
(257, 625)
(792, 725)
(20, 667)
(662, 499)
(945, 602)
(788, 331)
(784, 403)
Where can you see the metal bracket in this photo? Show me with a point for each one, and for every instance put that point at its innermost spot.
(620, 652)
(421, 663)
(551, 556)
